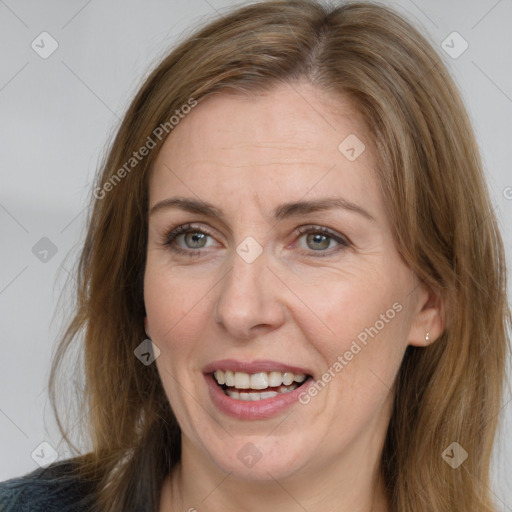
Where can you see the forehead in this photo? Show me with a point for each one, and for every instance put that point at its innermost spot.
(290, 141)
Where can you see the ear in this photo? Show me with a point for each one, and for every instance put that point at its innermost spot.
(430, 317)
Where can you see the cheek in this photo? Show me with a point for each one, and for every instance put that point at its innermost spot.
(178, 314)
(172, 303)
(356, 308)
(171, 317)
(363, 341)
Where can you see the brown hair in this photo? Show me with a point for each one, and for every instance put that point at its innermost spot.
(432, 181)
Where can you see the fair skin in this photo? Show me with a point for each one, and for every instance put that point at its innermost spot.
(247, 155)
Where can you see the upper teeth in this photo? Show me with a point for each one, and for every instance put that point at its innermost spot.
(261, 380)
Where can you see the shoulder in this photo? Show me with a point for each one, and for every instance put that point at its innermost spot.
(54, 488)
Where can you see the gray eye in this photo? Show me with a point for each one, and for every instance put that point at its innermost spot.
(318, 241)
(195, 240)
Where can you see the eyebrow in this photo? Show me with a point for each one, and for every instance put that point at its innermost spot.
(286, 210)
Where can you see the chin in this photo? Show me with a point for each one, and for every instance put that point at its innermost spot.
(260, 458)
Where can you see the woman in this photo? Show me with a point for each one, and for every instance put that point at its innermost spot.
(292, 289)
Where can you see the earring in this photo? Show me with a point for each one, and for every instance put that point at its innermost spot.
(427, 336)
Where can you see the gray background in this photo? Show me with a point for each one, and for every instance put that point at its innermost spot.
(57, 114)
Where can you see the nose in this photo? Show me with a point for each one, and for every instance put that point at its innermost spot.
(249, 303)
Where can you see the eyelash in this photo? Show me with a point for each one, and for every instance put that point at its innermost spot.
(170, 238)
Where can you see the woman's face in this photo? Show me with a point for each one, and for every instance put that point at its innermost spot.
(283, 284)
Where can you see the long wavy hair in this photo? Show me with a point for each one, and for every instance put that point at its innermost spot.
(431, 178)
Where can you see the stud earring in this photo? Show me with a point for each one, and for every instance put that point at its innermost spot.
(427, 336)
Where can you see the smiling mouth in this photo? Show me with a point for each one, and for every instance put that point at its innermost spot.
(257, 386)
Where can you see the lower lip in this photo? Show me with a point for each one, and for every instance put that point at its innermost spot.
(259, 410)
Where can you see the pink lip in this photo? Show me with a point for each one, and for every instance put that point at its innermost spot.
(253, 367)
(262, 409)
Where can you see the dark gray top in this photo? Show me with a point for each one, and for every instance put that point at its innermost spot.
(49, 489)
